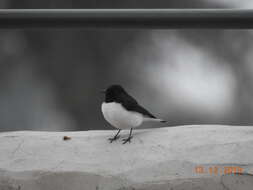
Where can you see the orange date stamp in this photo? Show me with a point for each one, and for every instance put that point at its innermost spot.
(218, 170)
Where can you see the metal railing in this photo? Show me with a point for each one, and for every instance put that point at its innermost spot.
(127, 18)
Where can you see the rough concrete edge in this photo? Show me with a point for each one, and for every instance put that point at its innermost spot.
(79, 180)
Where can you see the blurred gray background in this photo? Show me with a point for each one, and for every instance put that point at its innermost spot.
(50, 79)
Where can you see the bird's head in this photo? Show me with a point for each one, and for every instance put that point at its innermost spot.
(113, 92)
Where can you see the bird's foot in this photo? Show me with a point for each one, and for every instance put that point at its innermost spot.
(113, 138)
(127, 140)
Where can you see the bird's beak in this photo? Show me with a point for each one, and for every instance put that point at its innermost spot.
(102, 91)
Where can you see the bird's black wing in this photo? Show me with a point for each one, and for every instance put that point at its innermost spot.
(132, 105)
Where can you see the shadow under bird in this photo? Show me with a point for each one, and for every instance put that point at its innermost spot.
(122, 111)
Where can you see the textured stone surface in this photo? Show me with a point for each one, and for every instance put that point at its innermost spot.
(161, 158)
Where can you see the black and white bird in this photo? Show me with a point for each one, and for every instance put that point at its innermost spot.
(122, 111)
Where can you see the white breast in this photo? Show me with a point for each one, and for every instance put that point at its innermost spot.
(119, 117)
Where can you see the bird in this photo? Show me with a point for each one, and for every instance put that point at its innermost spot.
(122, 111)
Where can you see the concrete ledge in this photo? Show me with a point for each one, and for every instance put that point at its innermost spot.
(185, 157)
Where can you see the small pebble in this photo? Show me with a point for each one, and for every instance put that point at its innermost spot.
(65, 138)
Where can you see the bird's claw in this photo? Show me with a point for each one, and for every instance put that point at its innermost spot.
(113, 138)
(127, 140)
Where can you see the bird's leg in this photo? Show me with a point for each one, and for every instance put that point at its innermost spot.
(115, 137)
(129, 137)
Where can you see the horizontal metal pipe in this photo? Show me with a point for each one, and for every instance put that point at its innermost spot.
(127, 18)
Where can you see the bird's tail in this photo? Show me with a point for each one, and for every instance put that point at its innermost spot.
(154, 119)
